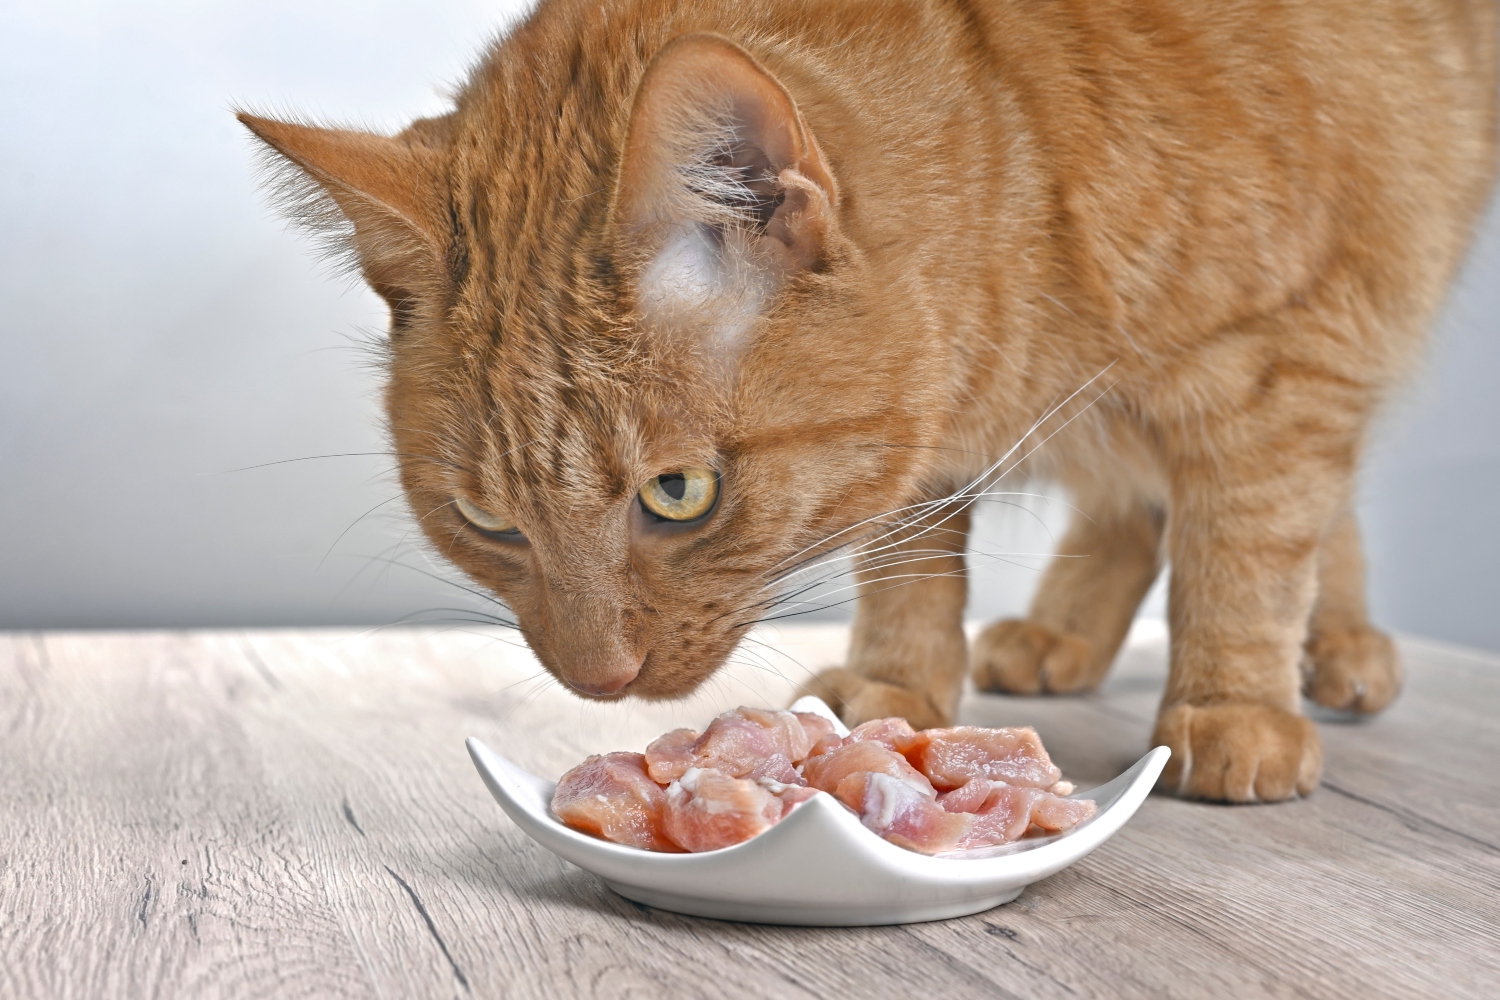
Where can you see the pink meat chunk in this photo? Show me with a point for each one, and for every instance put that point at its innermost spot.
(826, 744)
(708, 809)
(670, 754)
(612, 797)
(968, 797)
(778, 769)
(1055, 814)
(817, 729)
(1006, 816)
(894, 732)
(789, 795)
(900, 813)
(837, 771)
(738, 742)
(1002, 813)
(952, 757)
(788, 732)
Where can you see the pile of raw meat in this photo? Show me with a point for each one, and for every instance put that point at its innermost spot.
(930, 791)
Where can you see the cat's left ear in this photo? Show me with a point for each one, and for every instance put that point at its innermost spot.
(720, 173)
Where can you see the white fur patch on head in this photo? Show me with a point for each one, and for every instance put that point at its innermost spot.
(706, 281)
(686, 273)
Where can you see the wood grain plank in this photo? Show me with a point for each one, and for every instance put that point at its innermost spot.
(144, 856)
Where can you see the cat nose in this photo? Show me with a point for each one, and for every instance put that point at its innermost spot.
(610, 683)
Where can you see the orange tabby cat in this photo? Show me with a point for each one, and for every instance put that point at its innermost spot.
(685, 295)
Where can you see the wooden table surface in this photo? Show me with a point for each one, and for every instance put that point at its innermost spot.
(285, 814)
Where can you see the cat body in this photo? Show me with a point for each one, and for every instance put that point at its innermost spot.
(858, 260)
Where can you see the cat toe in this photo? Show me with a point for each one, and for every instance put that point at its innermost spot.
(858, 699)
(1021, 657)
(1238, 752)
(1355, 670)
(836, 686)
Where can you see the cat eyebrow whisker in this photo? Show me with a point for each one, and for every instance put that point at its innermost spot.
(341, 454)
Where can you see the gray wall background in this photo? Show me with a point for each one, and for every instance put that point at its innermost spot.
(159, 329)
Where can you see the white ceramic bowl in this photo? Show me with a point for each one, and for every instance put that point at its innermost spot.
(820, 865)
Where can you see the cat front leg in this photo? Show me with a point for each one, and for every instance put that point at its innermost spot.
(1243, 538)
(907, 654)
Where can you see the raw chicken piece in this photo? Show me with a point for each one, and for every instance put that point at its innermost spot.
(789, 795)
(900, 813)
(670, 754)
(613, 797)
(1055, 814)
(778, 769)
(737, 743)
(816, 727)
(951, 757)
(1003, 813)
(708, 809)
(826, 744)
(968, 797)
(837, 771)
(788, 732)
(894, 732)
(1005, 816)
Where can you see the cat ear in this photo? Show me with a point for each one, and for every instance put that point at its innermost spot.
(721, 181)
(381, 198)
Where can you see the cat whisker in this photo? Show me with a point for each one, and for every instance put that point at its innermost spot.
(417, 457)
(921, 509)
(967, 495)
(916, 577)
(352, 526)
(434, 576)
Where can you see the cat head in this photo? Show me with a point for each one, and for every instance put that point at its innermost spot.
(641, 364)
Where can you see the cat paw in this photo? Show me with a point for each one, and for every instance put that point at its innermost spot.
(858, 699)
(1351, 669)
(1021, 657)
(1239, 752)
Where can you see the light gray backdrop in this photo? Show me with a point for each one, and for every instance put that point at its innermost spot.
(159, 329)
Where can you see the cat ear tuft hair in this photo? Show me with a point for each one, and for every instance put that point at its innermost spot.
(722, 188)
(375, 202)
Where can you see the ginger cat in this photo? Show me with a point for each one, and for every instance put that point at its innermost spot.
(687, 295)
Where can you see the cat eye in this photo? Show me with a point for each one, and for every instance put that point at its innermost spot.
(491, 524)
(681, 496)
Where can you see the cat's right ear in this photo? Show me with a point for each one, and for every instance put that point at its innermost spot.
(721, 181)
(382, 198)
